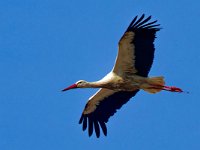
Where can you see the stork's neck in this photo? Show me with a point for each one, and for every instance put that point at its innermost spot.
(97, 84)
(105, 82)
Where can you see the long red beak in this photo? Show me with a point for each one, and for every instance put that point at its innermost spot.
(73, 86)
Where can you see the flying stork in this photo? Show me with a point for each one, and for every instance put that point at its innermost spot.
(128, 76)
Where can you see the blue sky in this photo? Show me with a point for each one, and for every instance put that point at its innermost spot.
(47, 45)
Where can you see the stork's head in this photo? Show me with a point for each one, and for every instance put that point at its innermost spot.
(78, 84)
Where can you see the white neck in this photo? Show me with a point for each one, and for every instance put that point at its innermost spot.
(97, 84)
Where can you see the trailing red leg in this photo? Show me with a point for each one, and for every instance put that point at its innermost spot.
(172, 89)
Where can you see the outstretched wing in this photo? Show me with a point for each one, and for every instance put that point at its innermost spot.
(100, 107)
(136, 47)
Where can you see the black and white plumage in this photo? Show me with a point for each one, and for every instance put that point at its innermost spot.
(104, 110)
(128, 76)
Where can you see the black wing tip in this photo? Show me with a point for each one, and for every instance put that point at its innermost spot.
(90, 128)
(103, 127)
(81, 119)
(97, 129)
(143, 23)
(92, 124)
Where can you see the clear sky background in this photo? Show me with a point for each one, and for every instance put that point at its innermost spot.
(46, 45)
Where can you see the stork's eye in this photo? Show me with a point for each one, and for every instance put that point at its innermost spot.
(80, 82)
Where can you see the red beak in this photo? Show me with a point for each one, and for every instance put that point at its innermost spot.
(73, 86)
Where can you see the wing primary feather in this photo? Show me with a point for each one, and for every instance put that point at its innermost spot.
(150, 23)
(84, 123)
(103, 127)
(152, 26)
(81, 119)
(132, 22)
(143, 22)
(138, 21)
(90, 129)
(96, 127)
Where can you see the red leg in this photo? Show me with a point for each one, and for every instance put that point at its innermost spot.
(172, 89)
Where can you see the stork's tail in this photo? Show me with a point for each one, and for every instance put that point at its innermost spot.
(154, 84)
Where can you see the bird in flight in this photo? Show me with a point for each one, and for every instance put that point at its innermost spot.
(128, 76)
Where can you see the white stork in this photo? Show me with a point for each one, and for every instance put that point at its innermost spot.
(128, 76)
